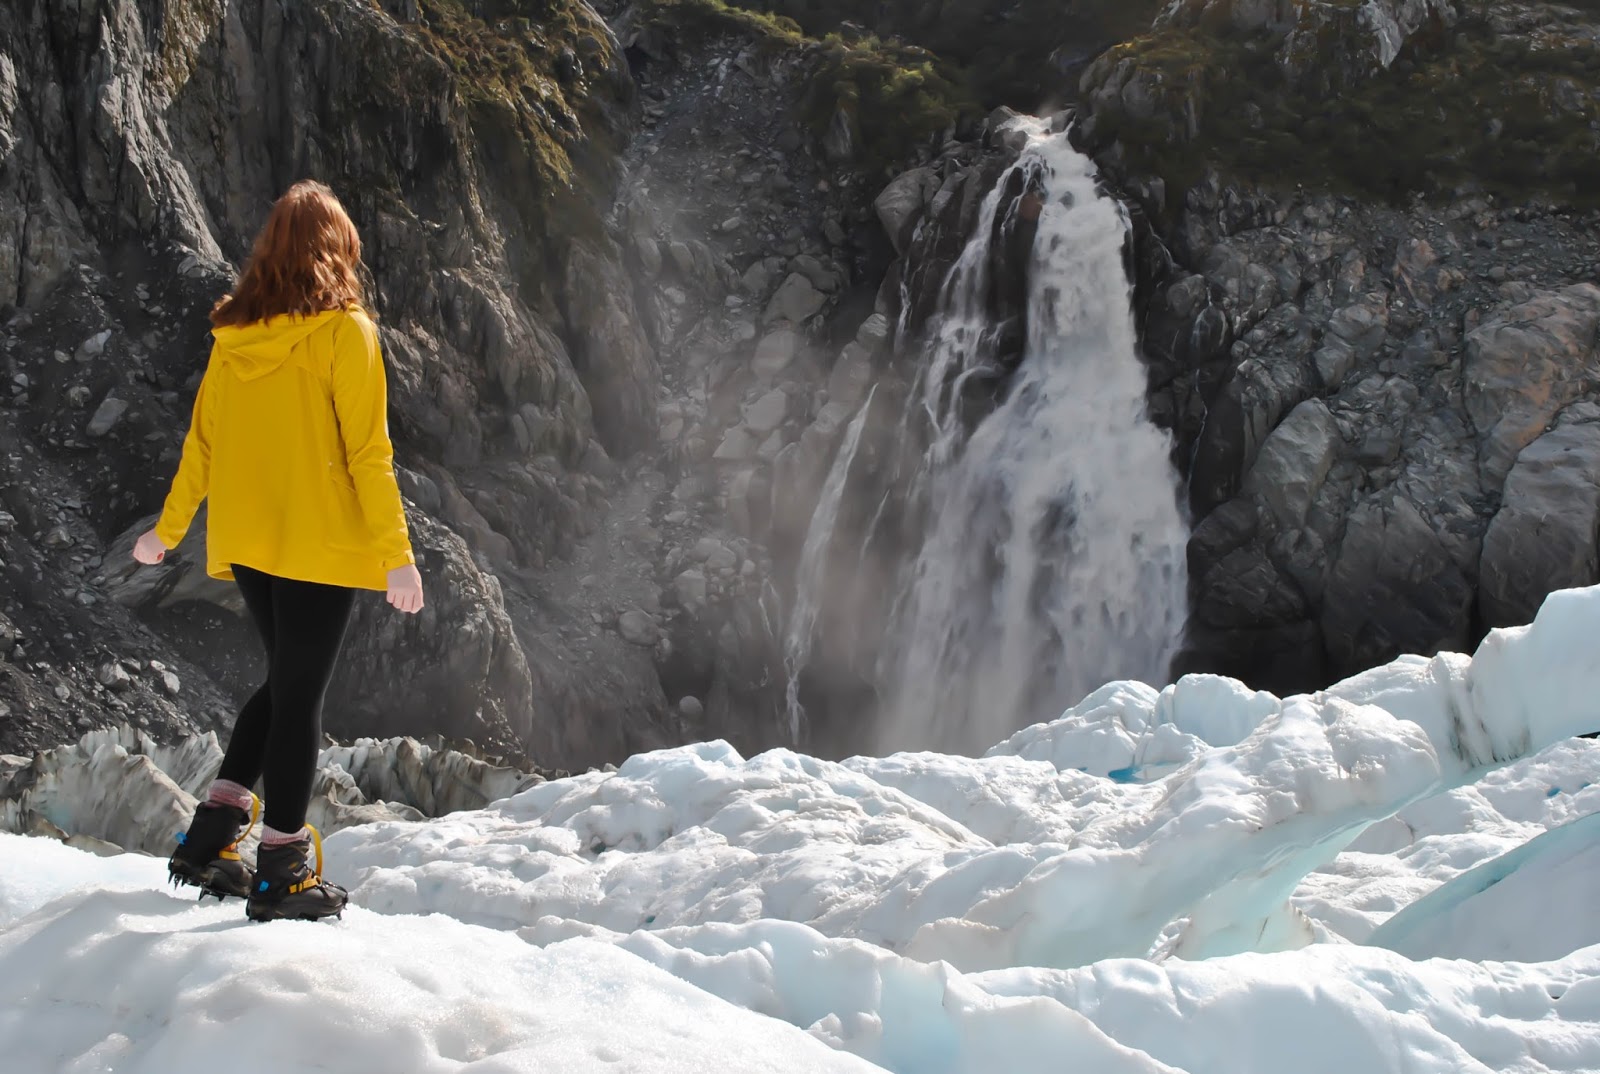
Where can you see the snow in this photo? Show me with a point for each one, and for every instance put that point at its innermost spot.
(1330, 1010)
(1325, 1010)
(157, 983)
(1397, 861)
(1201, 878)
(1484, 913)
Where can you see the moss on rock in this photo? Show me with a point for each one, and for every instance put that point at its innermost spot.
(1516, 113)
(1016, 51)
(893, 99)
(517, 64)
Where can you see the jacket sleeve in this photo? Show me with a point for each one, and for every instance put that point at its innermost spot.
(361, 401)
(193, 479)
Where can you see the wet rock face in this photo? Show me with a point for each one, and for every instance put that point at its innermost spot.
(1390, 405)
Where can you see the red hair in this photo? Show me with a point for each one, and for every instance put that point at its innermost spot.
(306, 260)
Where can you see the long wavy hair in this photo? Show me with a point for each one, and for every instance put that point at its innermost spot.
(306, 260)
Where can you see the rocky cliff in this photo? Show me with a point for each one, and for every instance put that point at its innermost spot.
(1370, 315)
(609, 267)
(637, 269)
(1363, 240)
(143, 144)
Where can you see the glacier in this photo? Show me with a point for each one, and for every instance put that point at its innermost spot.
(1196, 878)
(1483, 914)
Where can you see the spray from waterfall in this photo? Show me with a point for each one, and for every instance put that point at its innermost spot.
(961, 339)
(1055, 556)
(811, 577)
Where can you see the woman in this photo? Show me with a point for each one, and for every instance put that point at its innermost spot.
(289, 442)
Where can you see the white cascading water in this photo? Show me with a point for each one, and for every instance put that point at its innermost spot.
(1056, 556)
(811, 576)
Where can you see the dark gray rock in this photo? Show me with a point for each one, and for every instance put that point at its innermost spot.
(795, 301)
(1396, 585)
(902, 202)
(1293, 463)
(1523, 365)
(775, 351)
(1247, 590)
(638, 627)
(767, 413)
(106, 416)
(1544, 536)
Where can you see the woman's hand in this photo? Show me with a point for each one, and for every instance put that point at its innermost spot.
(149, 549)
(405, 588)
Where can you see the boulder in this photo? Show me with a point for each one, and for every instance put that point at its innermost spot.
(704, 549)
(1334, 362)
(767, 413)
(737, 445)
(901, 204)
(1247, 409)
(1292, 464)
(638, 627)
(757, 279)
(821, 276)
(775, 351)
(873, 333)
(795, 301)
(1249, 288)
(1543, 538)
(180, 577)
(690, 587)
(1416, 272)
(106, 416)
(1361, 325)
(1523, 365)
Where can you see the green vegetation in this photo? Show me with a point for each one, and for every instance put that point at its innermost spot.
(1008, 48)
(522, 101)
(706, 18)
(503, 55)
(895, 98)
(183, 28)
(1518, 117)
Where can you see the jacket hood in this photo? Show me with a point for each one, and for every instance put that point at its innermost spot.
(254, 350)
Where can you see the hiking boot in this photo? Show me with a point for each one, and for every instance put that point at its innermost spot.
(208, 853)
(288, 887)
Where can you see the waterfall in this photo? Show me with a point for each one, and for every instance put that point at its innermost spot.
(1055, 557)
(810, 579)
(961, 341)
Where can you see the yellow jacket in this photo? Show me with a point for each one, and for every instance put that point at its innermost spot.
(290, 441)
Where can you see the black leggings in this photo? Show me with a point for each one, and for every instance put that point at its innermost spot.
(279, 730)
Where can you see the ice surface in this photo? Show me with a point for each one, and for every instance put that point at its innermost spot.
(156, 984)
(1397, 861)
(1016, 858)
(1137, 885)
(1324, 1010)
(1128, 727)
(1337, 1009)
(1531, 904)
